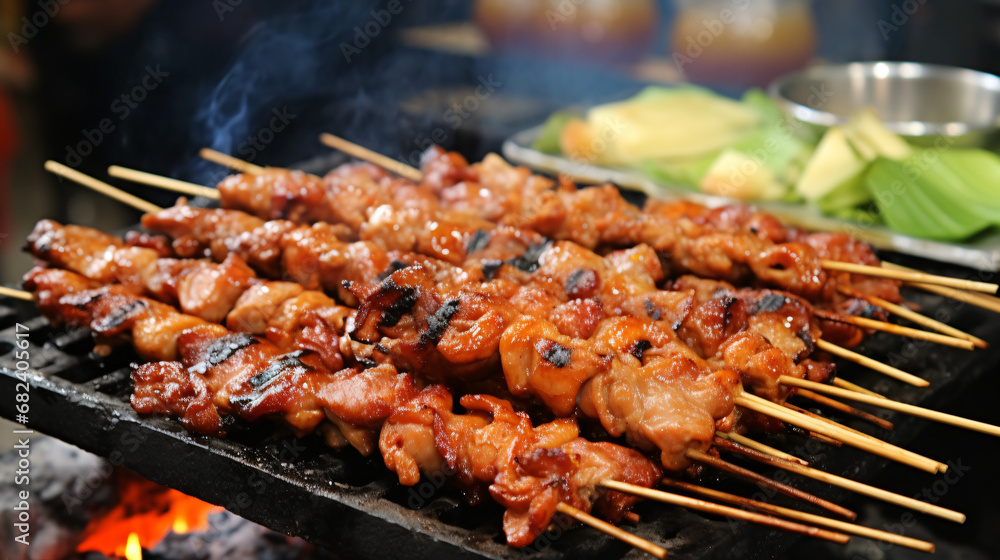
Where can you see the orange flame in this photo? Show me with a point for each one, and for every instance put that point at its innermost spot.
(145, 514)
(133, 550)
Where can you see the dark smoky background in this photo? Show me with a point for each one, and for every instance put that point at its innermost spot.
(146, 84)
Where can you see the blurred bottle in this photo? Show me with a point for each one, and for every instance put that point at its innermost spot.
(741, 43)
(604, 31)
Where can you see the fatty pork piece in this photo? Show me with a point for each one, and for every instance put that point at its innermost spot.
(634, 376)
(529, 470)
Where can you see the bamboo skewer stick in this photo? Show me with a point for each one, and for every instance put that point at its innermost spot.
(759, 479)
(360, 152)
(912, 315)
(727, 511)
(826, 420)
(845, 384)
(897, 329)
(162, 182)
(845, 408)
(870, 444)
(758, 446)
(825, 439)
(985, 301)
(894, 405)
(16, 294)
(229, 161)
(101, 187)
(836, 524)
(991, 303)
(876, 365)
(609, 529)
(906, 275)
(847, 484)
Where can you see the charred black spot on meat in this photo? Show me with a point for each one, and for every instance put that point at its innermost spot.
(640, 347)
(770, 303)
(401, 300)
(288, 363)
(115, 319)
(385, 307)
(221, 350)
(479, 240)
(652, 310)
(367, 363)
(806, 337)
(439, 321)
(557, 354)
(727, 307)
(582, 283)
(490, 268)
(346, 284)
(380, 348)
(528, 262)
(394, 266)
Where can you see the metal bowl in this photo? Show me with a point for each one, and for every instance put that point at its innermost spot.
(919, 101)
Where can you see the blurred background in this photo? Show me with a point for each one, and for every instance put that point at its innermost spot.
(144, 83)
(147, 83)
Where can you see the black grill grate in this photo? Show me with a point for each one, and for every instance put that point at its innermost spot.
(353, 506)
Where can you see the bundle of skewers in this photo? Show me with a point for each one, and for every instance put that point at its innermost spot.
(555, 349)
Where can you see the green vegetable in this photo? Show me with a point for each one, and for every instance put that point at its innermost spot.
(775, 142)
(872, 138)
(548, 140)
(834, 176)
(736, 174)
(683, 172)
(945, 195)
(666, 124)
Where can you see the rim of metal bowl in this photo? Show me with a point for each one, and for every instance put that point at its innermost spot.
(882, 70)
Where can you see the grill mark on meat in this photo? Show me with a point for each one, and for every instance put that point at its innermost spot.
(556, 354)
(770, 303)
(394, 266)
(581, 283)
(640, 347)
(727, 306)
(652, 311)
(405, 299)
(479, 240)
(806, 337)
(221, 350)
(118, 316)
(490, 268)
(528, 262)
(288, 363)
(439, 321)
